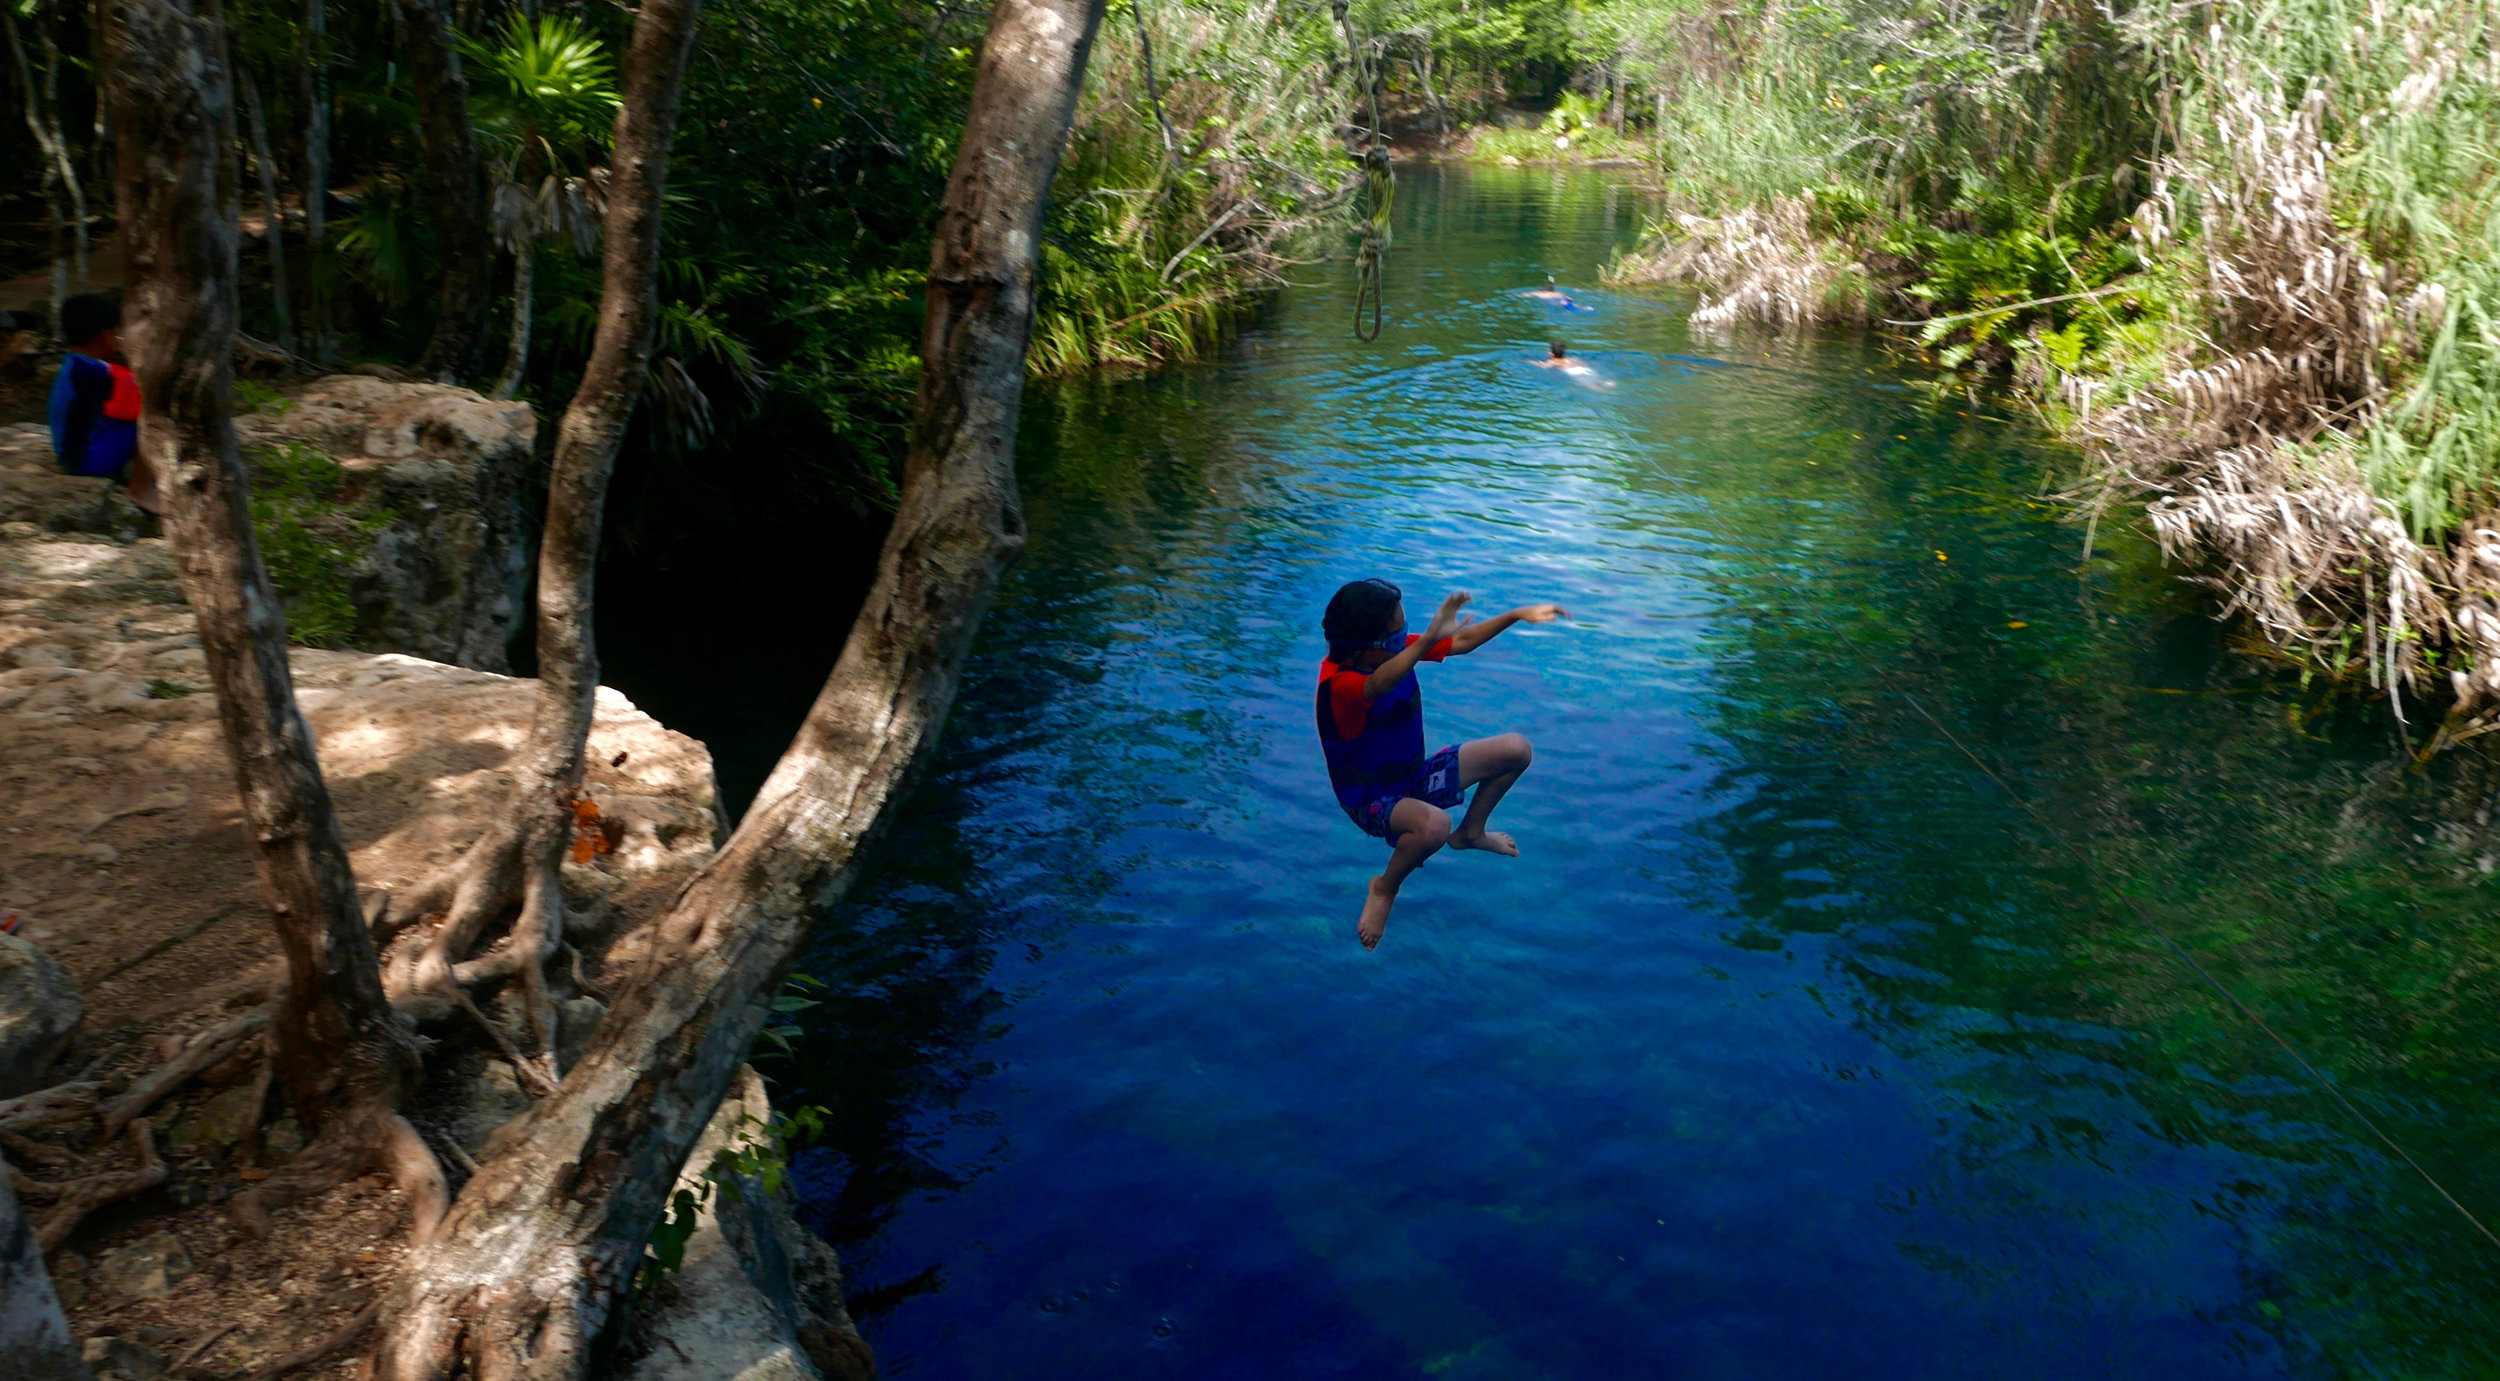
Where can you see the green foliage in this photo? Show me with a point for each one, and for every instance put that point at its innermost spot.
(547, 84)
(1546, 143)
(1151, 252)
(757, 1154)
(251, 395)
(311, 537)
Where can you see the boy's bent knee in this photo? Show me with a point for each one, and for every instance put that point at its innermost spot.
(1431, 832)
(1516, 749)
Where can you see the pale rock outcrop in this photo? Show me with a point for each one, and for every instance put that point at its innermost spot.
(39, 1013)
(34, 1338)
(447, 575)
(758, 1298)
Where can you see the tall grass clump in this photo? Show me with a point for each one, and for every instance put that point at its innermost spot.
(1182, 195)
(2247, 249)
(2329, 452)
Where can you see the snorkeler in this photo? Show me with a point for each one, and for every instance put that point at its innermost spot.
(1371, 725)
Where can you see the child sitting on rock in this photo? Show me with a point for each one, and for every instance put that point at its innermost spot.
(95, 401)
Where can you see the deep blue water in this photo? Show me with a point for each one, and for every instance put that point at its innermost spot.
(1789, 1048)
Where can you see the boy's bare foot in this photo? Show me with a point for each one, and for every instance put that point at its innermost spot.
(1375, 922)
(1491, 841)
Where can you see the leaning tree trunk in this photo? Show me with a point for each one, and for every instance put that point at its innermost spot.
(463, 235)
(538, 1250)
(339, 1052)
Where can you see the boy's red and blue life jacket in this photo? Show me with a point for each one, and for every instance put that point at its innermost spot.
(95, 416)
(1375, 747)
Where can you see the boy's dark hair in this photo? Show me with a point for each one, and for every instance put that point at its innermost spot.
(87, 316)
(1360, 613)
(1555, 351)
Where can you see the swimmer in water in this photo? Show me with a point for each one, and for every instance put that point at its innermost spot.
(1371, 726)
(1559, 358)
(1550, 293)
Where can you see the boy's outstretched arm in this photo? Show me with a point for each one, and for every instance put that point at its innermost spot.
(1476, 635)
(1444, 624)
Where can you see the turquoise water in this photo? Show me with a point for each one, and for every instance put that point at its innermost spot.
(1789, 1048)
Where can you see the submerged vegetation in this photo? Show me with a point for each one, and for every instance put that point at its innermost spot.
(2248, 250)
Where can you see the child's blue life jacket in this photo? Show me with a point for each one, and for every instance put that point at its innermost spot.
(1375, 747)
(95, 416)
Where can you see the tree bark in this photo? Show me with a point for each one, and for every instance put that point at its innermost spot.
(463, 235)
(538, 1251)
(265, 172)
(312, 59)
(516, 359)
(343, 1057)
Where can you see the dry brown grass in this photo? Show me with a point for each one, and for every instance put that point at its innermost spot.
(1759, 264)
(2248, 459)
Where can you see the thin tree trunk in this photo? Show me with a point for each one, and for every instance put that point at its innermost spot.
(463, 237)
(537, 1252)
(1154, 95)
(60, 149)
(312, 59)
(1423, 69)
(343, 1057)
(265, 171)
(42, 120)
(517, 356)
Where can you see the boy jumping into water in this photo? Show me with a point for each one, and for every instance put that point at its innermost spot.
(1371, 724)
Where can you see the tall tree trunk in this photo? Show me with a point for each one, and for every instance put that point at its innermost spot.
(463, 236)
(265, 172)
(339, 1052)
(538, 1249)
(312, 64)
(516, 357)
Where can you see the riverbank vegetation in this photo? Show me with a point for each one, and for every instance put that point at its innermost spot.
(2246, 251)
(817, 142)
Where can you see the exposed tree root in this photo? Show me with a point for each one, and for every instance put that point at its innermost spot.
(303, 1357)
(382, 1141)
(205, 1049)
(42, 1108)
(199, 1349)
(26, 1149)
(78, 1198)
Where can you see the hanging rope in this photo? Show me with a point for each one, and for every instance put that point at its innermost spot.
(1380, 190)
